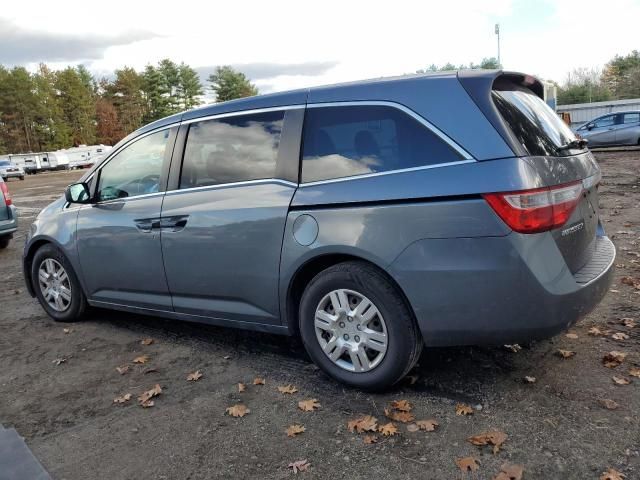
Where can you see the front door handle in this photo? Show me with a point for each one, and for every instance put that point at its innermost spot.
(147, 225)
(174, 224)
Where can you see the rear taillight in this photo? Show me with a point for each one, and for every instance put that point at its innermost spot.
(5, 192)
(537, 210)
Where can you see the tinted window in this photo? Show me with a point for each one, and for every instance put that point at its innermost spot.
(632, 117)
(4, 163)
(135, 170)
(232, 149)
(605, 121)
(536, 126)
(355, 140)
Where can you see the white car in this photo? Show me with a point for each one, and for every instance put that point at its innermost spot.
(10, 170)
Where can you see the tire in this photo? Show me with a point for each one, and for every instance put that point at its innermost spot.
(4, 242)
(21, 177)
(77, 303)
(360, 282)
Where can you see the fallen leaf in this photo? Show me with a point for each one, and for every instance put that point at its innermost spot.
(287, 389)
(364, 423)
(620, 380)
(141, 359)
(388, 429)
(294, 430)
(412, 427)
(628, 322)
(613, 359)
(124, 398)
(495, 438)
(608, 404)
(370, 439)
(227, 357)
(149, 394)
(463, 409)
(67, 330)
(515, 348)
(309, 405)
(402, 405)
(241, 387)
(258, 381)
(634, 372)
(238, 410)
(613, 290)
(529, 379)
(146, 341)
(565, 353)
(427, 425)
(299, 466)
(403, 417)
(612, 474)
(468, 464)
(595, 331)
(572, 336)
(194, 376)
(632, 282)
(122, 369)
(620, 336)
(58, 361)
(509, 471)
(147, 404)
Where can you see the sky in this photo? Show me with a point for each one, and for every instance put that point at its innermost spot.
(282, 45)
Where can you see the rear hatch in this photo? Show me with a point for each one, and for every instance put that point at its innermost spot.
(544, 141)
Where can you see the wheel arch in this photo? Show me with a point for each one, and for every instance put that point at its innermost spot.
(27, 261)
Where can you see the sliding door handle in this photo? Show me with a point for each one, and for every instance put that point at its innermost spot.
(174, 224)
(147, 225)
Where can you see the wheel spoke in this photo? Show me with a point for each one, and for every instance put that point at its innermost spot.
(362, 307)
(59, 304)
(62, 275)
(377, 341)
(324, 320)
(49, 266)
(359, 360)
(43, 276)
(65, 293)
(339, 300)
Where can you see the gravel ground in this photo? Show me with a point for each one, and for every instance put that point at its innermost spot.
(556, 427)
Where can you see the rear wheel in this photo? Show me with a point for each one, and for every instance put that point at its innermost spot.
(21, 177)
(56, 285)
(357, 327)
(4, 242)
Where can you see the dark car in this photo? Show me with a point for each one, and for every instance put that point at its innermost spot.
(369, 218)
(8, 216)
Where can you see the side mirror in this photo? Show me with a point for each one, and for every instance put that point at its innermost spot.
(77, 193)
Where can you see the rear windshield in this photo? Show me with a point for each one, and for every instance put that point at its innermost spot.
(536, 126)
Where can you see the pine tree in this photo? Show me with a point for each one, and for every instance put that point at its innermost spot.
(190, 88)
(18, 105)
(126, 95)
(156, 97)
(76, 98)
(228, 84)
(170, 83)
(51, 129)
(108, 128)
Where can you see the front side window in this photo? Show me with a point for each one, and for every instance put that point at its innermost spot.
(605, 121)
(232, 149)
(135, 170)
(632, 117)
(355, 140)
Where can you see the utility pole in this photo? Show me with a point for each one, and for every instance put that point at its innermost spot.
(497, 30)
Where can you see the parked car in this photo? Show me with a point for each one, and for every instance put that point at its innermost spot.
(9, 170)
(621, 128)
(8, 216)
(369, 218)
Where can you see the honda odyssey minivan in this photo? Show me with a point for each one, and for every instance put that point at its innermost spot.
(369, 218)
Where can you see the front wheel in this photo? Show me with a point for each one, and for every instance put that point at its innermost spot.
(56, 285)
(4, 241)
(357, 327)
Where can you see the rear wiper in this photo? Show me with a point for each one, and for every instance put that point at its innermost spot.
(578, 143)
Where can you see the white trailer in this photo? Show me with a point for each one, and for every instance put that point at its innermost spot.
(84, 155)
(30, 162)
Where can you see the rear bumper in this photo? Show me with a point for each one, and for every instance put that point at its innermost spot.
(497, 290)
(10, 225)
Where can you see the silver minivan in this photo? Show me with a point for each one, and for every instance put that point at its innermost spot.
(622, 128)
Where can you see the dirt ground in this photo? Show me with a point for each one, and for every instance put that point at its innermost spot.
(556, 427)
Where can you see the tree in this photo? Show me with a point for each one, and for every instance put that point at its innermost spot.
(51, 128)
(170, 74)
(76, 99)
(189, 87)
(228, 84)
(18, 105)
(156, 97)
(622, 75)
(108, 128)
(490, 63)
(126, 95)
(583, 85)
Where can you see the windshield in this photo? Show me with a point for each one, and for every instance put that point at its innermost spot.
(4, 163)
(536, 126)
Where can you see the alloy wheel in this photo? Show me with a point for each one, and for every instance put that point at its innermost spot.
(55, 285)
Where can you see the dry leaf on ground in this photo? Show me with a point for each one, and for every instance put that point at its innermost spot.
(509, 471)
(364, 423)
(258, 381)
(402, 405)
(238, 410)
(122, 369)
(628, 322)
(632, 282)
(529, 379)
(404, 417)
(194, 376)
(463, 409)
(565, 353)
(608, 404)
(67, 330)
(241, 387)
(635, 372)
(299, 466)
(370, 439)
(294, 430)
(287, 389)
(412, 427)
(146, 396)
(59, 361)
(515, 348)
(141, 359)
(620, 336)
(620, 380)
(147, 404)
(613, 359)
(595, 331)
(494, 437)
(124, 398)
(572, 335)
(427, 425)
(612, 474)
(388, 429)
(146, 341)
(309, 405)
(468, 464)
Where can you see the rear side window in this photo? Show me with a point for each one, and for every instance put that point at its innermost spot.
(356, 140)
(536, 126)
(232, 149)
(632, 117)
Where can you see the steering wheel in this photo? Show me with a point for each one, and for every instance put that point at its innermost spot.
(149, 182)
